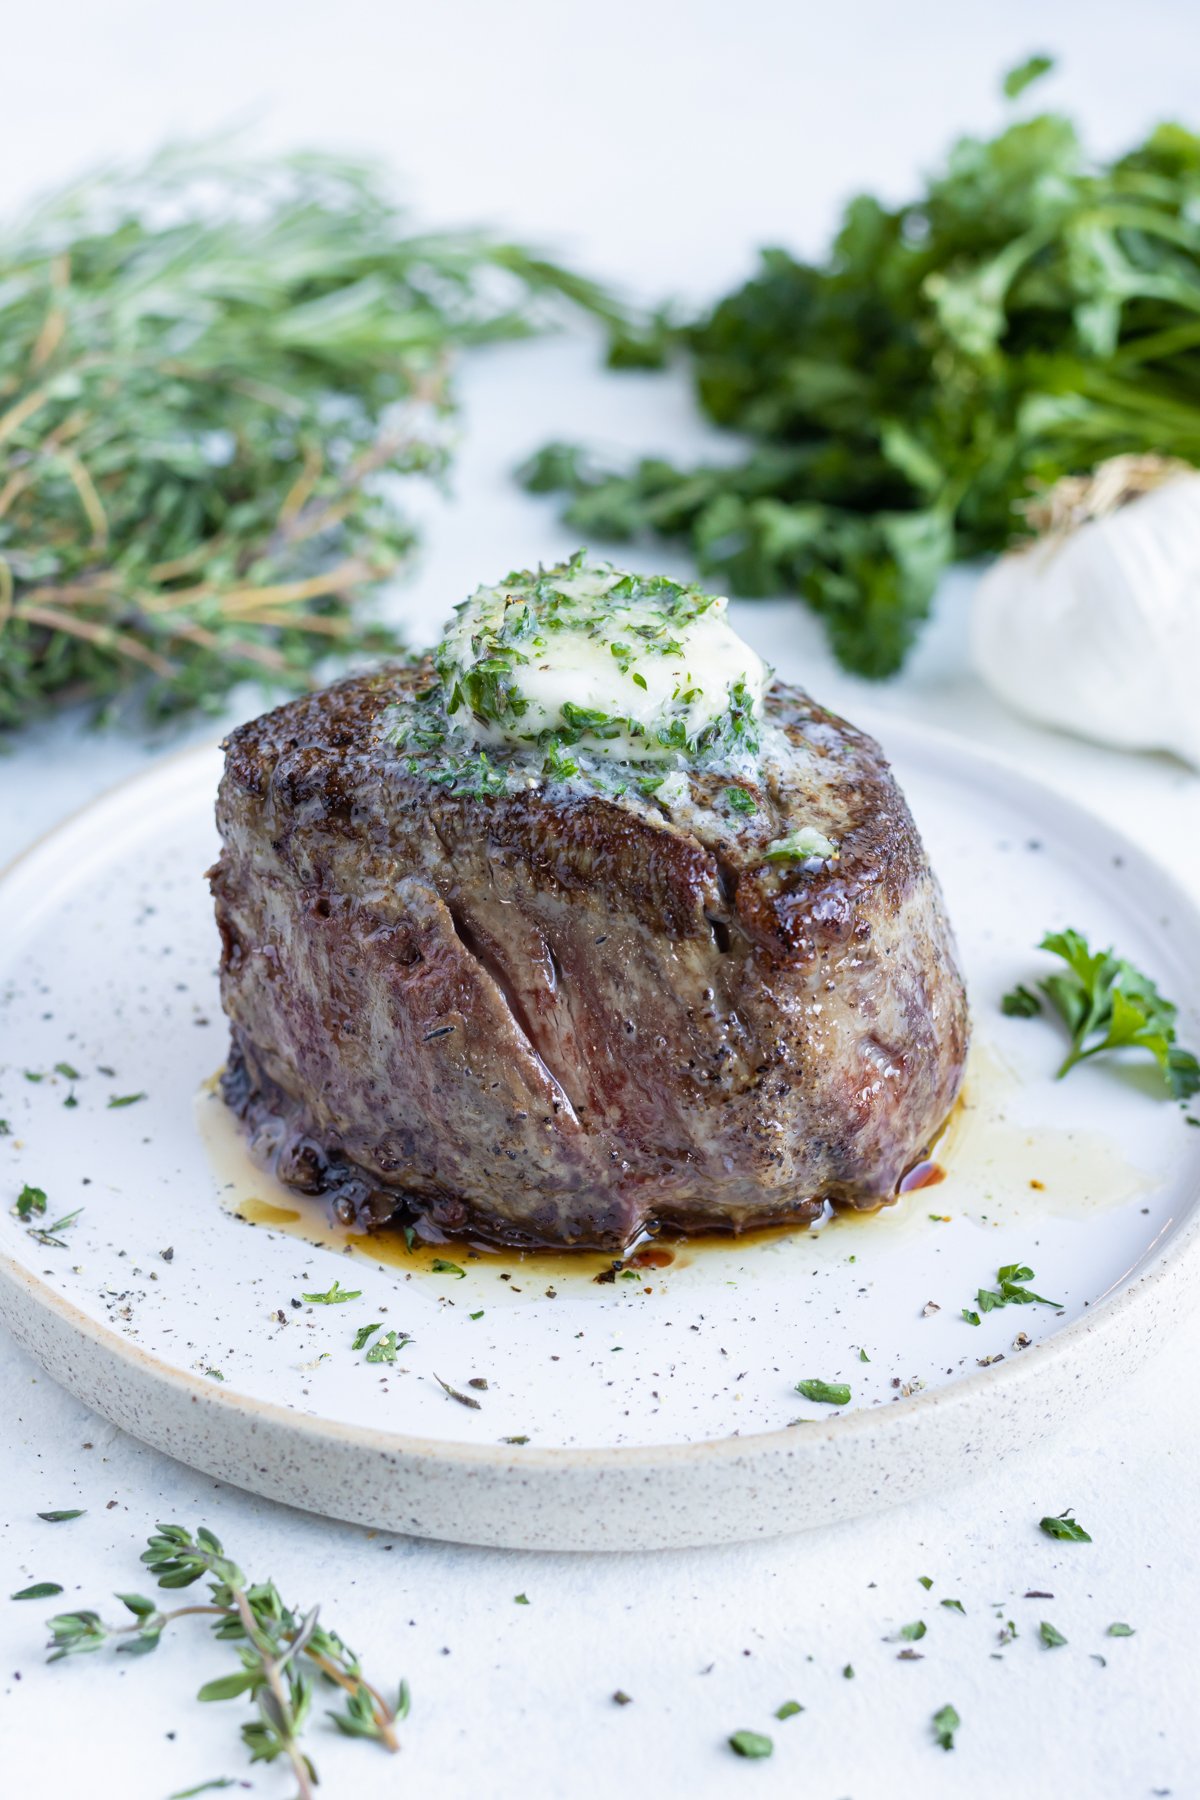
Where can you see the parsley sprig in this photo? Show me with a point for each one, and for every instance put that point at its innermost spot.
(1009, 1291)
(282, 1651)
(1107, 1003)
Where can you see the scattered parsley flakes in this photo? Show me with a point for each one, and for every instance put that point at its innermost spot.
(63, 1514)
(514, 1440)
(42, 1590)
(945, 1723)
(363, 1333)
(621, 1698)
(848, 1672)
(751, 1743)
(956, 1606)
(1117, 1629)
(862, 1355)
(65, 1069)
(926, 1581)
(828, 1393)
(738, 800)
(333, 1296)
(477, 1315)
(912, 1633)
(124, 1100)
(1050, 1635)
(1065, 1528)
(520, 1599)
(788, 1710)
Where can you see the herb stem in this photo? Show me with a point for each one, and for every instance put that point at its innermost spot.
(284, 1723)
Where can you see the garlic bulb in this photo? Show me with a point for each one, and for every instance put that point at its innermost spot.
(1095, 625)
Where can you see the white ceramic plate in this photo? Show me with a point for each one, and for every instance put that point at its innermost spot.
(648, 1411)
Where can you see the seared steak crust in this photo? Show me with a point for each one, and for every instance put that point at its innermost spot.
(554, 1017)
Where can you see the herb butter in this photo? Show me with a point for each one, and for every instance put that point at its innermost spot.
(630, 667)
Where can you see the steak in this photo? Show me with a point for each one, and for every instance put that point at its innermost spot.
(535, 1014)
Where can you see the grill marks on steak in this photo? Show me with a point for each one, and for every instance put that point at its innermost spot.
(554, 1017)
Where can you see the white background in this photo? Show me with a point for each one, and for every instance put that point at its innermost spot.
(655, 145)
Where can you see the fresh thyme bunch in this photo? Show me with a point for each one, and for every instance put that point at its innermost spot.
(210, 373)
(283, 1653)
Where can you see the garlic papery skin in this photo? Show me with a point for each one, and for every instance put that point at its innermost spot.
(1095, 627)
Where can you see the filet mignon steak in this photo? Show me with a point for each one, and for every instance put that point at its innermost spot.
(538, 1012)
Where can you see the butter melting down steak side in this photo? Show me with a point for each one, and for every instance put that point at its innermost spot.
(555, 1017)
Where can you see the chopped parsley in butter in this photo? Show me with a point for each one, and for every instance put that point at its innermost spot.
(631, 667)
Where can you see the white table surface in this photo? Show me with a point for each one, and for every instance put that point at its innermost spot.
(661, 153)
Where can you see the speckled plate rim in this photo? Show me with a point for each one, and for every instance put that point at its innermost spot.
(715, 1490)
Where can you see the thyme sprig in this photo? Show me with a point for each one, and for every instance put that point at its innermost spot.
(282, 1652)
(212, 371)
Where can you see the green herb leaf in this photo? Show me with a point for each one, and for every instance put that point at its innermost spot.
(1031, 70)
(65, 1069)
(228, 1687)
(42, 1590)
(386, 1348)
(124, 1100)
(363, 1333)
(912, 1633)
(1050, 1635)
(30, 1200)
(945, 1723)
(829, 1393)
(1114, 1630)
(1010, 1292)
(926, 1581)
(956, 1606)
(1108, 1004)
(1021, 1003)
(440, 1266)
(751, 1744)
(63, 1514)
(333, 1296)
(788, 1710)
(1065, 1528)
(521, 1599)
